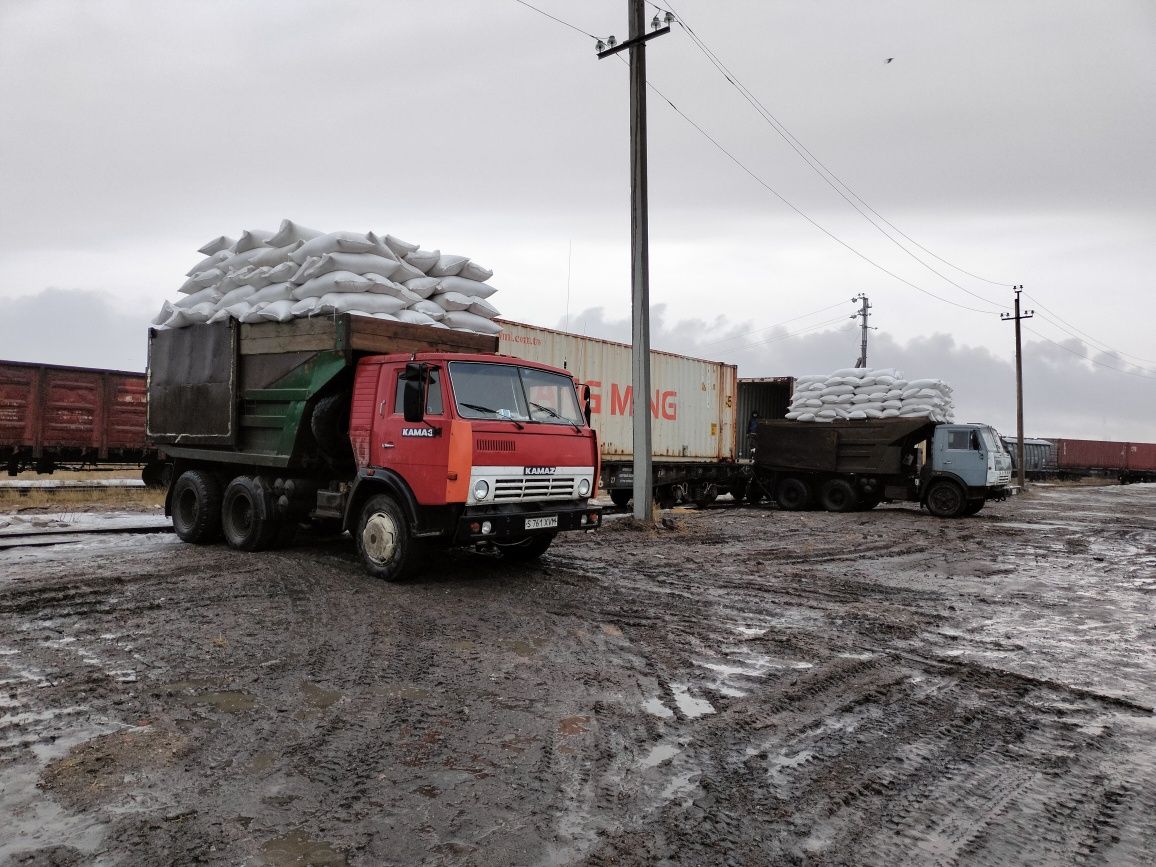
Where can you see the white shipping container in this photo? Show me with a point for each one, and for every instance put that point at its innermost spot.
(693, 401)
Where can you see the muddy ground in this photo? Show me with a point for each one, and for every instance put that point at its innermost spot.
(752, 687)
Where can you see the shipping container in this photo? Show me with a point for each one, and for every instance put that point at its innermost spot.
(769, 397)
(693, 402)
(52, 414)
(1090, 454)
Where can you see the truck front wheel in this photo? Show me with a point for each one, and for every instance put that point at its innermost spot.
(196, 507)
(528, 549)
(945, 499)
(839, 495)
(383, 539)
(620, 497)
(793, 494)
(973, 506)
(241, 520)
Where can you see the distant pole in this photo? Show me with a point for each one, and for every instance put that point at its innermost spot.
(1027, 314)
(862, 362)
(639, 253)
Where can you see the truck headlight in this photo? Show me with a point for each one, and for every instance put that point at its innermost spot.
(584, 488)
(481, 489)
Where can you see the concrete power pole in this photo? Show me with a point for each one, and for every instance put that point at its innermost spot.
(862, 362)
(1027, 314)
(639, 251)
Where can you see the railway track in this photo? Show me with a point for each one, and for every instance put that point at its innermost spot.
(32, 536)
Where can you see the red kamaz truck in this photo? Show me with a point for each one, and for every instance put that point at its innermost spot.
(407, 436)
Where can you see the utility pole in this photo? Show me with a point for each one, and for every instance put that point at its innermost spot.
(639, 250)
(862, 362)
(1027, 314)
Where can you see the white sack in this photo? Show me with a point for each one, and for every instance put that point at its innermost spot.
(399, 247)
(290, 233)
(471, 288)
(450, 301)
(471, 322)
(423, 260)
(210, 262)
(219, 243)
(327, 283)
(450, 265)
(239, 260)
(167, 310)
(241, 293)
(340, 242)
(201, 281)
(415, 317)
(406, 272)
(357, 263)
(482, 307)
(254, 312)
(423, 286)
(210, 296)
(473, 271)
(272, 292)
(251, 239)
(271, 257)
(429, 308)
(343, 302)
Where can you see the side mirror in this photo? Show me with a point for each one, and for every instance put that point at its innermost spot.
(586, 401)
(413, 396)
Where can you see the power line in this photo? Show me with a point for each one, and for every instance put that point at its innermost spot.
(829, 177)
(554, 18)
(778, 338)
(1088, 358)
(769, 327)
(1104, 347)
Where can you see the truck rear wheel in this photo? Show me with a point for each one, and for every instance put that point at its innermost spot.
(792, 494)
(196, 507)
(383, 540)
(241, 521)
(945, 499)
(839, 495)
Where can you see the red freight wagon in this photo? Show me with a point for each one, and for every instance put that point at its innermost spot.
(1130, 462)
(52, 415)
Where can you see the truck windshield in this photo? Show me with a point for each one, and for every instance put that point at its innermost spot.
(506, 391)
(991, 440)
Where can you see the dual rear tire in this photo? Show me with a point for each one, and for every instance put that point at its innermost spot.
(203, 512)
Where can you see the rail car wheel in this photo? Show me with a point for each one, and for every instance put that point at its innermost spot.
(196, 507)
(704, 495)
(530, 548)
(241, 516)
(383, 541)
(666, 496)
(621, 497)
(945, 499)
(793, 494)
(839, 495)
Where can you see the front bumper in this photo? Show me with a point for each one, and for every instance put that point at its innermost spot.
(508, 522)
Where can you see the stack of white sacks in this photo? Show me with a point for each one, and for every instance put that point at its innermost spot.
(297, 272)
(863, 393)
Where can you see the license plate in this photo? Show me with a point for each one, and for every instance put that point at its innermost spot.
(541, 523)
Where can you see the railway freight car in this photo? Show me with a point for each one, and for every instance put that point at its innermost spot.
(699, 411)
(52, 416)
(1039, 457)
(1127, 462)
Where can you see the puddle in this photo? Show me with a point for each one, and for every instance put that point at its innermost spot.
(691, 707)
(655, 707)
(230, 701)
(573, 725)
(750, 631)
(261, 762)
(297, 848)
(318, 697)
(660, 753)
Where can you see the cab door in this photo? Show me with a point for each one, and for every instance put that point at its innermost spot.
(960, 451)
(416, 451)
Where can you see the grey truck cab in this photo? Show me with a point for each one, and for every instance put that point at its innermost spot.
(845, 466)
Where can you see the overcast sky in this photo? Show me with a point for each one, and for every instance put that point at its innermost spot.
(1013, 140)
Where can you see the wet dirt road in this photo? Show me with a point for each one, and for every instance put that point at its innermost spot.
(753, 687)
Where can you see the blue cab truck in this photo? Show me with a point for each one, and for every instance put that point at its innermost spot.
(847, 466)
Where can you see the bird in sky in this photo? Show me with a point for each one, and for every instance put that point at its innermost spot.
(889, 59)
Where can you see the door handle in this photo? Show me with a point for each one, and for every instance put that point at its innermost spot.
(387, 445)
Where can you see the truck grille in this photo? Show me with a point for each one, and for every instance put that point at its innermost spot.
(534, 488)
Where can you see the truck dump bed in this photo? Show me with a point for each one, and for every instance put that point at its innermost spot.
(244, 393)
(874, 446)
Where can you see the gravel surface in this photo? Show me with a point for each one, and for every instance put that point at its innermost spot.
(745, 687)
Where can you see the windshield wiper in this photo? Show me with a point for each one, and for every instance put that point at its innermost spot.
(501, 417)
(556, 415)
